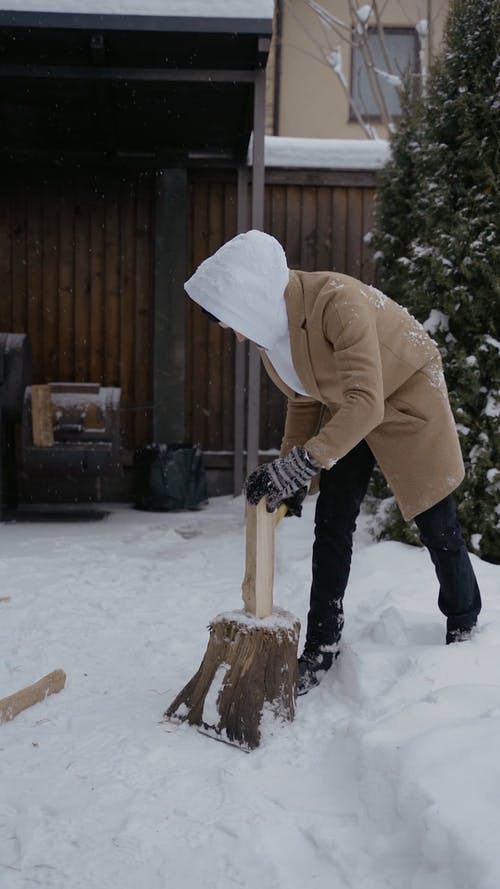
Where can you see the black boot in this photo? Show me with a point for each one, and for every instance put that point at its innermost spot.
(461, 635)
(310, 664)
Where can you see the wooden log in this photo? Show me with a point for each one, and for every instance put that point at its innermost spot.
(257, 586)
(32, 694)
(249, 668)
(258, 583)
(248, 585)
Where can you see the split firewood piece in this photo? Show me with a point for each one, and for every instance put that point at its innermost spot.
(257, 586)
(32, 694)
(41, 417)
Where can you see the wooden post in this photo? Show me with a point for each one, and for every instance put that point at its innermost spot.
(240, 355)
(170, 304)
(258, 185)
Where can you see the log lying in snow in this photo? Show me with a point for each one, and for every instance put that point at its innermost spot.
(32, 694)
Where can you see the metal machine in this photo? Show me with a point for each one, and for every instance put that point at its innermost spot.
(72, 428)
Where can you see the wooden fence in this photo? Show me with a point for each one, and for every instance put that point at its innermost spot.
(321, 220)
(76, 260)
(77, 274)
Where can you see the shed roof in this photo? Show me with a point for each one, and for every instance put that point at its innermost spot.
(226, 11)
(102, 79)
(232, 9)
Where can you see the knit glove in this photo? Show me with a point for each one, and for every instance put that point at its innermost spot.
(294, 503)
(280, 479)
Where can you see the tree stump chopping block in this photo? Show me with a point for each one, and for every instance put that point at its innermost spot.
(250, 665)
(249, 668)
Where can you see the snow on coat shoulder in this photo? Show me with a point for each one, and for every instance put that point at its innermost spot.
(242, 284)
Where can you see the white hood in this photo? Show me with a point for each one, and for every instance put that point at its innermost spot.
(243, 284)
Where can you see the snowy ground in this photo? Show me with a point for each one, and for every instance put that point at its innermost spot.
(389, 776)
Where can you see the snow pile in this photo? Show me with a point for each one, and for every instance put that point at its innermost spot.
(388, 777)
(231, 9)
(331, 154)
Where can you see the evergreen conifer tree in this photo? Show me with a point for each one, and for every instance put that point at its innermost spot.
(397, 193)
(437, 245)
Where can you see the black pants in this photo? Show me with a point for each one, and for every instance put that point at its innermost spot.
(342, 490)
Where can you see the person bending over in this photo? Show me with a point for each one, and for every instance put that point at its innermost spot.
(364, 383)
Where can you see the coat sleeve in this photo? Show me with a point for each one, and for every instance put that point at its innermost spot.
(351, 330)
(303, 417)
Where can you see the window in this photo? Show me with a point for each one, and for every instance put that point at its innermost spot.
(402, 49)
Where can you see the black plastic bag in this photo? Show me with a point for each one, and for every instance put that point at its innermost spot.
(169, 477)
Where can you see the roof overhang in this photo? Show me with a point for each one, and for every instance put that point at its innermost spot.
(31, 18)
(165, 89)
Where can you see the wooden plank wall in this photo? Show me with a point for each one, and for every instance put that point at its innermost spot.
(76, 273)
(210, 350)
(321, 220)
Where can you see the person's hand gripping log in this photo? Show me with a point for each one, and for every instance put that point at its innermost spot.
(281, 479)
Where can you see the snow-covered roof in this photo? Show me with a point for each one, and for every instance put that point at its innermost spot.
(332, 154)
(231, 9)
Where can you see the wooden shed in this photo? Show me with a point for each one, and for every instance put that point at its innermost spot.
(107, 118)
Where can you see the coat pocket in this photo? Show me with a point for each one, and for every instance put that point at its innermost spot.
(397, 411)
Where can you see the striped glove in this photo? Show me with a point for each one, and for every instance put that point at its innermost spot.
(280, 479)
(294, 503)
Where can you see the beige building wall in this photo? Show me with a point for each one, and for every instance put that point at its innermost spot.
(305, 96)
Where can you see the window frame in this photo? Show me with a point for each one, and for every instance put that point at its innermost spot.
(388, 29)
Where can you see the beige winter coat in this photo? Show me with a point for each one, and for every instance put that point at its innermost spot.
(372, 373)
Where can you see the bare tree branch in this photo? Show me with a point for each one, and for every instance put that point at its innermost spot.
(337, 67)
(360, 40)
(307, 31)
(356, 35)
(381, 36)
(423, 50)
(325, 15)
